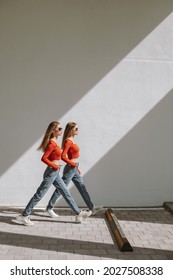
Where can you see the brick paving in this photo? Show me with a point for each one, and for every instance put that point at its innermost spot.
(149, 232)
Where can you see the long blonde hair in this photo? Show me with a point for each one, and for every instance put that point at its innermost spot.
(67, 132)
(48, 135)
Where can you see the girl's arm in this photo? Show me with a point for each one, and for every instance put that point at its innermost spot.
(64, 154)
(49, 149)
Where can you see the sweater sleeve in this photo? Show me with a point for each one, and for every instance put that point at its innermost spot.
(64, 154)
(49, 149)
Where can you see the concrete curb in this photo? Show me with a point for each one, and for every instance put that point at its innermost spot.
(117, 231)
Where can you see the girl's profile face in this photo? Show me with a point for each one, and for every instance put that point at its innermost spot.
(58, 130)
(75, 130)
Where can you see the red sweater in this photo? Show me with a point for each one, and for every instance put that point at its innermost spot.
(52, 152)
(70, 151)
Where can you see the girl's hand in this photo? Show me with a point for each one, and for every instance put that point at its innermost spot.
(55, 167)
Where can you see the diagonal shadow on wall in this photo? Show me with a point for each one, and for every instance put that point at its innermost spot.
(48, 63)
(140, 162)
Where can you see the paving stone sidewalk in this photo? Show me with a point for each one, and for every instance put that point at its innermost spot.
(149, 232)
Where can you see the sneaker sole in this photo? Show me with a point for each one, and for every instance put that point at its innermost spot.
(48, 215)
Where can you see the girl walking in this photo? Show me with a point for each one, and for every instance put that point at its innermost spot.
(70, 155)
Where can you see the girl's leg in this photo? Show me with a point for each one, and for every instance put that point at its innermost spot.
(78, 181)
(53, 200)
(60, 185)
(48, 178)
(68, 174)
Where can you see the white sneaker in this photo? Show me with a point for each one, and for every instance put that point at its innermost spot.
(25, 220)
(51, 213)
(96, 209)
(86, 214)
(81, 215)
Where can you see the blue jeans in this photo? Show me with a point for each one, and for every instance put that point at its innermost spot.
(71, 173)
(51, 177)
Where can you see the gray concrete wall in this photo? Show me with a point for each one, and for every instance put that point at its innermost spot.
(107, 65)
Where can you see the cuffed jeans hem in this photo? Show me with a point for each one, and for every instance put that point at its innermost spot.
(25, 215)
